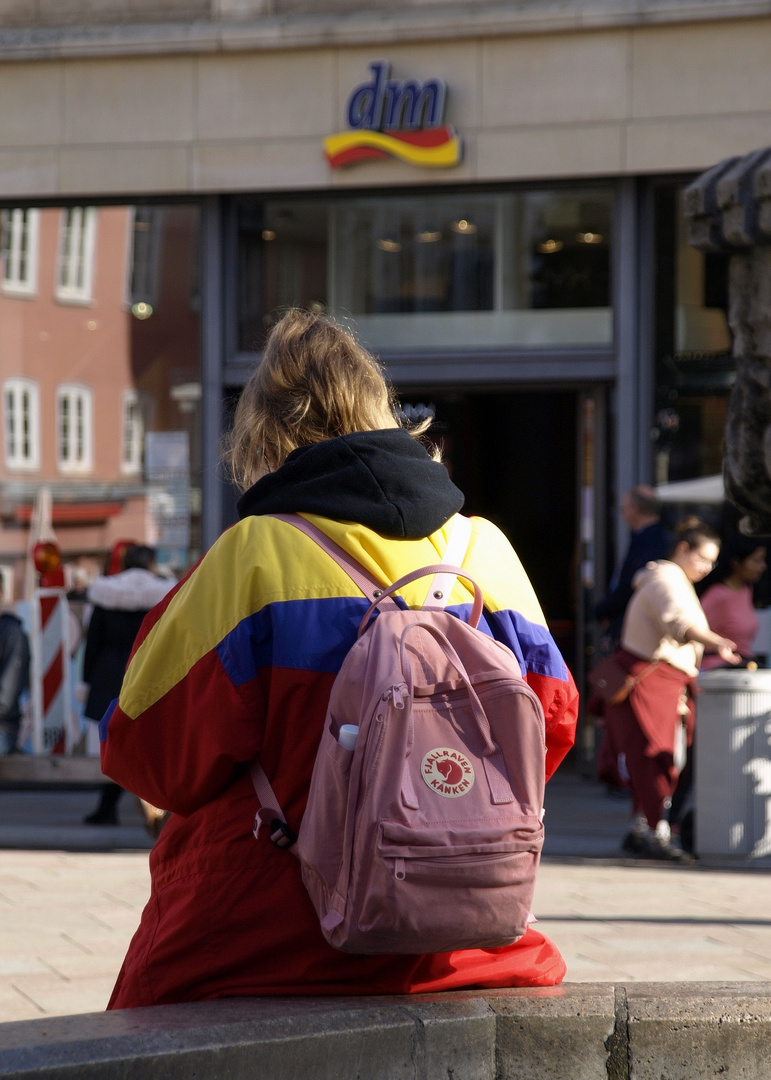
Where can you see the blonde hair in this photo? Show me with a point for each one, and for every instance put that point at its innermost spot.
(314, 382)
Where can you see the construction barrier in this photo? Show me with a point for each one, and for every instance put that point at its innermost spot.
(54, 727)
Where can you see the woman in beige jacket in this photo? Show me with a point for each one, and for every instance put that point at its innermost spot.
(663, 638)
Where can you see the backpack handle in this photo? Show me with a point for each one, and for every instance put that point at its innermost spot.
(451, 655)
(426, 571)
(492, 756)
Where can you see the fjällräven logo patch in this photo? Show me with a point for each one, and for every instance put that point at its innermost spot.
(448, 772)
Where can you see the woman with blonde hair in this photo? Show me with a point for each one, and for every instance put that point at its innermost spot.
(238, 664)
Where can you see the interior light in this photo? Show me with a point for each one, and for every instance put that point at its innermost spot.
(549, 247)
(464, 227)
(141, 310)
(589, 238)
(268, 234)
(428, 236)
(389, 245)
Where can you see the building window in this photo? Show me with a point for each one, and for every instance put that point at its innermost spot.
(75, 267)
(695, 369)
(19, 251)
(132, 451)
(74, 428)
(508, 269)
(22, 424)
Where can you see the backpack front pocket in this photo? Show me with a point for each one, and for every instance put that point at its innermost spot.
(478, 892)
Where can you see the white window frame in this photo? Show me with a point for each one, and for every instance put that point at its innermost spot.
(132, 433)
(21, 415)
(75, 262)
(74, 443)
(20, 251)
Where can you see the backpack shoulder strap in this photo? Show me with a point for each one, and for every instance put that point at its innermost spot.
(442, 584)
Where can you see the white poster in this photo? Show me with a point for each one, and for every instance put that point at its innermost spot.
(167, 472)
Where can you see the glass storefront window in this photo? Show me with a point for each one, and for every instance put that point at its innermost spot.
(101, 385)
(694, 364)
(438, 270)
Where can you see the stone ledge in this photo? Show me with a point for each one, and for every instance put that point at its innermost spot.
(50, 769)
(579, 1031)
(366, 25)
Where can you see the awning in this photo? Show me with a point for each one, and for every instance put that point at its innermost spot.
(75, 513)
(702, 489)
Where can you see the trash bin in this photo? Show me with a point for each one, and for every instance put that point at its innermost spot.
(732, 787)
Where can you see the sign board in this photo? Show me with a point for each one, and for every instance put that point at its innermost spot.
(401, 118)
(167, 473)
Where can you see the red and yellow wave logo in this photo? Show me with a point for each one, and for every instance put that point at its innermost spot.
(435, 147)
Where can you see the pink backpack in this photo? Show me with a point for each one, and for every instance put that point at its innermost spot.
(423, 829)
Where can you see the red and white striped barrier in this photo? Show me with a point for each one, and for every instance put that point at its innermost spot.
(54, 726)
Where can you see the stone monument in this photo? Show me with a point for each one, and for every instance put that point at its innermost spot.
(729, 210)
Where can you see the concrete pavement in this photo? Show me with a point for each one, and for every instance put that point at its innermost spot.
(71, 896)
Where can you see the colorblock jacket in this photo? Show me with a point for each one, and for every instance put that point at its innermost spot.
(237, 663)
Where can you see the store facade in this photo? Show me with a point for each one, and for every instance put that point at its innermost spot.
(489, 196)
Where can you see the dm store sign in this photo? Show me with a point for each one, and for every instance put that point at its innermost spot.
(401, 118)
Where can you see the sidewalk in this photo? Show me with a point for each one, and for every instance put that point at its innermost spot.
(71, 897)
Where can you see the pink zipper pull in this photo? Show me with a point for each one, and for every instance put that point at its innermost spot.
(398, 694)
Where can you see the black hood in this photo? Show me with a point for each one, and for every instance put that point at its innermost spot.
(383, 480)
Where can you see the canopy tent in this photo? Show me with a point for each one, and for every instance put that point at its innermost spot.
(701, 490)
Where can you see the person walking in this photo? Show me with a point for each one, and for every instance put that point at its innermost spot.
(663, 637)
(120, 602)
(14, 674)
(238, 664)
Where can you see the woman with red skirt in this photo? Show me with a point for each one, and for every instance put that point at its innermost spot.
(662, 642)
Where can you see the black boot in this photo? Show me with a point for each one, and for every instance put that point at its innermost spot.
(106, 812)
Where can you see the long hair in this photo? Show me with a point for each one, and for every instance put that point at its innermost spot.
(314, 382)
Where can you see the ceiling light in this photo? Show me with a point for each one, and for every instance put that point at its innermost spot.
(550, 247)
(463, 227)
(429, 236)
(389, 245)
(268, 234)
(589, 238)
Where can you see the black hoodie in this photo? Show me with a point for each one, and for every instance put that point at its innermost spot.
(383, 480)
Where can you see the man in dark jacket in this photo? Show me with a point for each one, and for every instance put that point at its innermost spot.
(14, 678)
(648, 541)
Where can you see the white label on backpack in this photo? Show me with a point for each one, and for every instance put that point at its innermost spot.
(448, 772)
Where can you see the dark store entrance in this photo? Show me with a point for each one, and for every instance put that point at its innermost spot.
(514, 455)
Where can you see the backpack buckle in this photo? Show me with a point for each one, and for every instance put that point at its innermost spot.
(281, 835)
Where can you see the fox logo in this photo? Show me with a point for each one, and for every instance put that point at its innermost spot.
(447, 772)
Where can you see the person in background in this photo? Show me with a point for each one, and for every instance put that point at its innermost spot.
(120, 602)
(648, 541)
(728, 595)
(663, 638)
(14, 673)
(240, 662)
